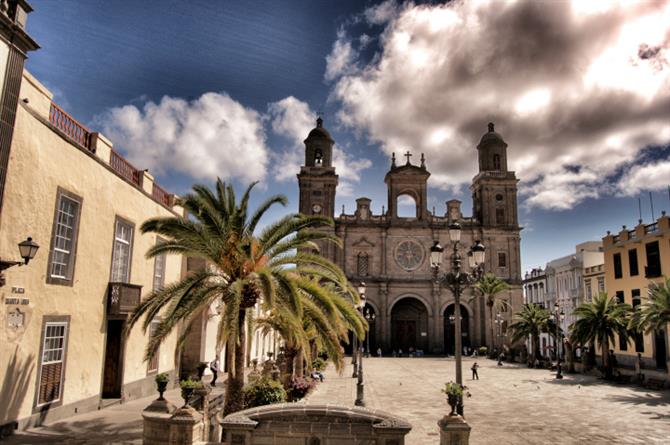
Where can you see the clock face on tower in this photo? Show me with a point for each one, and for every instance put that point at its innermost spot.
(316, 208)
(409, 255)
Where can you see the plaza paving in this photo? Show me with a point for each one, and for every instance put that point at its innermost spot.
(509, 405)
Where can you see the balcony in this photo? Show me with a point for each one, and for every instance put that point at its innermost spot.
(123, 298)
(75, 131)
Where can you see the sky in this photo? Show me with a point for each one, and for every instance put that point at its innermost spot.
(580, 91)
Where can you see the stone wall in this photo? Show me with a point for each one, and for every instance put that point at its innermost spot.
(299, 424)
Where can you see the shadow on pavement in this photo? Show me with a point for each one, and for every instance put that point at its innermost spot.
(88, 432)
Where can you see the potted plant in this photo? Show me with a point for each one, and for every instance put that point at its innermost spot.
(187, 388)
(162, 380)
(201, 369)
(454, 393)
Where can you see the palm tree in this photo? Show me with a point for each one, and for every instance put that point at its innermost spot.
(530, 322)
(598, 321)
(242, 268)
(654, 313)
(490, 286)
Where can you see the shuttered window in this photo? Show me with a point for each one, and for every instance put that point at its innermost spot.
(159, 270)
(52, 363)
(64, 238)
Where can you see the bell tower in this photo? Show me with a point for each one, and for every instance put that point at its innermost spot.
(494, 191)
(411, 181)
(317, 179)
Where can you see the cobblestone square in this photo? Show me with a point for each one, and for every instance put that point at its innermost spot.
(509, 405)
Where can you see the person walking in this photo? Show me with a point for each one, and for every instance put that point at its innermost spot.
(474, 368)
(379, 352)
(214, 367)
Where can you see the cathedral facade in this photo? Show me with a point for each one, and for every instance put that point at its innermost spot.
(405, 307)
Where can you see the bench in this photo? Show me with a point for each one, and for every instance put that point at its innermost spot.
(654, 383)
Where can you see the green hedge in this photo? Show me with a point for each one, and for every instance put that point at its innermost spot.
(263, 391)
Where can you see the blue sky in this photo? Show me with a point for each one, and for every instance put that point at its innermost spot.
(580, 91)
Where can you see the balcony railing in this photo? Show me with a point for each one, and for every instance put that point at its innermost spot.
(125, 169)
(123, 298)
(160, 195)
(72, 129)
(651, 228)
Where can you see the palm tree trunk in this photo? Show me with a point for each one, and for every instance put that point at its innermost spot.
(491, 354)
(234, 399)
(605, 358)
(536, 346)
(299, 363)
(289, 354)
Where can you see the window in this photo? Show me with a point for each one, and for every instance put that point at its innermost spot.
(153, 363)
(601, 284)
(632, 262)
(620, 296)
(363, 264)
(123, 243)
(653, 268)
(500, 216)
(623, 343)
(502, 259)
(64, 238)
(496, 162)
(52, 359)
(159, 269)
(589, 290)
(617, 266)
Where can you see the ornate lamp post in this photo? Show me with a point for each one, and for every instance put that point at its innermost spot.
(558, 317)
(370, 317)
(457, 281)
(360, 385)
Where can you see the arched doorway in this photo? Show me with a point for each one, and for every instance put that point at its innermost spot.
(409, 325)
(450, 329)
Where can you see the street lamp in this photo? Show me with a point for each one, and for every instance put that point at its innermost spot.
(457, 281)
(360, 385)
(27, 250)
(559, 316)
(370, 317)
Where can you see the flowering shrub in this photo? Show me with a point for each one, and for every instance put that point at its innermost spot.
(453, 389)
(263, 391)
(299, 388)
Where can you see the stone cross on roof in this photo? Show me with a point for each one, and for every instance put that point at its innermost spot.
(408, 155)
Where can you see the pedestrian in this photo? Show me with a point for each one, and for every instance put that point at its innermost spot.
(474, 368)
(214, 367)
(399, 352)
(379, 352)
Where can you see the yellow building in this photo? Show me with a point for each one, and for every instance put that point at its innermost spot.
(63, 314)
(633, 259)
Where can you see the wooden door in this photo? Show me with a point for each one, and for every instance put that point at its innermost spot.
(112, 377)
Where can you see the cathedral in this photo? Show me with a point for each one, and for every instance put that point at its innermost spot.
(405, 307)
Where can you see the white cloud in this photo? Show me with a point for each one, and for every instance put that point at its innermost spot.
(576, 93)
(651, 176)
(342, 58)
(211, 136)
(293, 119)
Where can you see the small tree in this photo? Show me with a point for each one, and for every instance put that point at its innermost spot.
(490, 286)
(598, 322)
(530, 322)
(654, 313)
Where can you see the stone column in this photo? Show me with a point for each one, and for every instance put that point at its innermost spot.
(185, 427)
(156, 418)
(454, 430)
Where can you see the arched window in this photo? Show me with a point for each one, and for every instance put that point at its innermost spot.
(496, 162)
(406, 207)
(363, 264)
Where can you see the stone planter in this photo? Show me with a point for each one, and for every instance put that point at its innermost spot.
(186, 394)
(161, 387)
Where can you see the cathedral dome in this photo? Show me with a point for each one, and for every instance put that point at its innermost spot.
(491, 136)
(319, 132)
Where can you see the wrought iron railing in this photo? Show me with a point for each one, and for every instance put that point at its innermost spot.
(72, 129)
(160, 195)
(125, 168)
